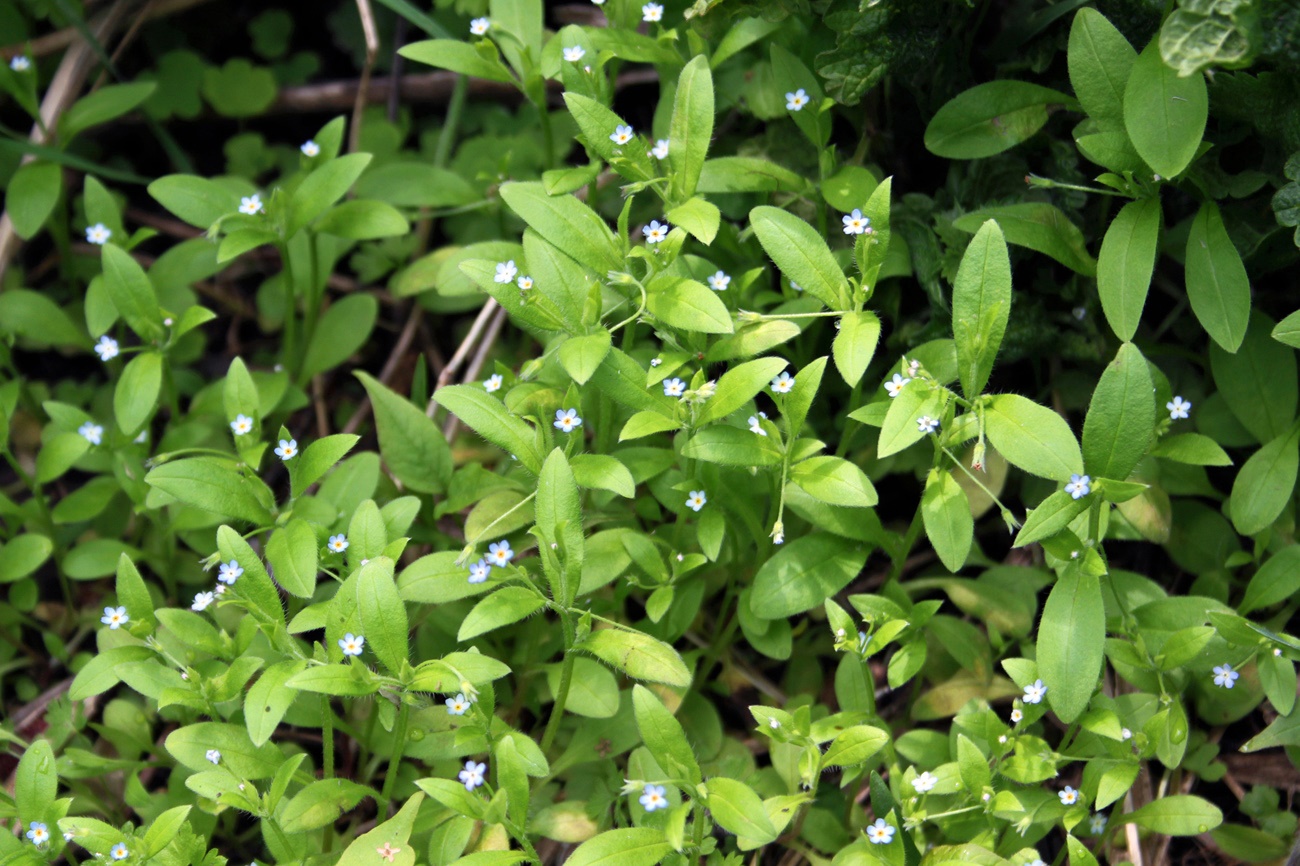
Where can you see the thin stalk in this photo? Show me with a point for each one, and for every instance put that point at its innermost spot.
(395, 762)
(327, 734)
(909, 541)
(566, 679)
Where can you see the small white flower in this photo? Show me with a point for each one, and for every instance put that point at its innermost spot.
(37, 831)
(797, 100)
(1068, 796)
(98, 234)
(1178, 408)
(856, 224)
(106, 348)
(925, 782)
(202, 600)
(68, 835)
(1097, 824)
(1034, 692)
(926, 424)
(310, 149)
(1002, 738)
(219, 589)
(115, 617)
(338, 543)
(598, 2)
(660, 150)
(229, 572)
(652, 12)
(674, 387)
(287, 449)
(250, 204)
(655, 362)
(778, 533)
(524, 283)
(1225, 676)
(1277, 652)
(655, 232)
(1037, 861)
(696, 500)
(242, 425)
(352, 644)
(913, 366)
(895, 386)
(652, 798)
(506, 272)
(213, 755)
(574, 54)
(621, 134)
(493, 383)
(1125, 734)
(719, 282)
(782, 384)
(773, 724)
(1016, 716)
(119, 851)
(796, 286)
(141, 437)
(1078, 486)
(21, 63)
(880, 833)
(479, 26)
(478, 572)
(93, 433)
(566, 420)
(472, 775)
(500, 554)
(457, 705)
(755, 426)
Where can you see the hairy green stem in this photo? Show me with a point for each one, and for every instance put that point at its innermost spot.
(395, 762)
(566, 679)
(327, 734)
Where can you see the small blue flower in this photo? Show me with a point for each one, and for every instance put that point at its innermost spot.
(352, 644)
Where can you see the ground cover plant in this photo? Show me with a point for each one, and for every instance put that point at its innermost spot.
(619, 433)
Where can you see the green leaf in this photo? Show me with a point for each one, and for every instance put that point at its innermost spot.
(101, 106)
(318, 458)
(1126, 262)
(747, 174)
(1288, 330)
(1183, 646)
(593, 689)
(633, 846)
(25, 553)
(458, 56)
(738, 809)
(646, 423)
(37, 318)
(1265, 483)
(293, 553)
(981, 303)
(700, 218)
(381, 613)
(363, 220)
(1100, 59)
(1258, 382)
(189, 746)
(505, 606)
(322, 188)
(239, 394)
(489, 418)
(731, 446)
(196, 200)
(163, 830)
(212, 485)
(1217, 285)
(664, 737)
(624, 380)
(582, 355)
(136, 393)
(255, 584)
(319, 803)
(100, 673)
(1037, 226)
(395, 831)
(1277, 580)
(131, 590)
(411, 444)
(637, 655)
(1205, 34)
(691, 129)
(1176, 815)
(854, 745)
(990, 118)
(1071, 642)
(804, 573)
(800, 399)
(972, 765)
(335, 679)
(945, 511)
(559, 522)
(1193, 449)
(269, 699)
(567, 223)
(341, 331)
(737, 387)
(1032, 437)
(900, 429)
(686, 304)
(132, 293)
(1121, 416)
(1164, 114)
(36, 781)
(238, 88)
(855, 344)
(31, 195)
(801, 254)
(835, 481)
(1050, 516)
(58, 454)
(603, 472)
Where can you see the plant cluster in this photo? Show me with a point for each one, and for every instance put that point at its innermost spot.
(747, 472)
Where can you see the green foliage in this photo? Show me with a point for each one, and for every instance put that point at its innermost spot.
(456, 482)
